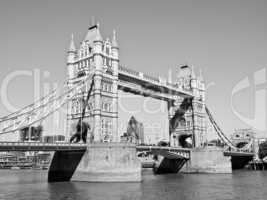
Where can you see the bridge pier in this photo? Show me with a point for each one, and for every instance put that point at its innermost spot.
(208, 160)
(109, 162)
(239, 159)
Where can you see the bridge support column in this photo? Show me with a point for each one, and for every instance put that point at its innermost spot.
(115, 112)
(199, 126)
(109, 162)
(208, 161)
(97, 106)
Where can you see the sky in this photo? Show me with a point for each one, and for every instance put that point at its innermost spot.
(226, 39)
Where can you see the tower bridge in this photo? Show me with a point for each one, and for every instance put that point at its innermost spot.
(94, 72)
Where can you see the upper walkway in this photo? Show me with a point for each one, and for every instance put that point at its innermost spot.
(146, 85)
(238, 153)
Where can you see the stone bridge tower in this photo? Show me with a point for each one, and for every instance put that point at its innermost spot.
(102, 58)
(194, 124)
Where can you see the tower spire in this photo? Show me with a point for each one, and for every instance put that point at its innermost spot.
(93, 21)
(193, 75)
(98, 36)
(200, 75)
(72, 47)
(114, 39)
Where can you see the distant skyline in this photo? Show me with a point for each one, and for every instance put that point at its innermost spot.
(226, 39)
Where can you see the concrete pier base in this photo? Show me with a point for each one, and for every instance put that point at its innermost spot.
(109, 162)
(208, 160)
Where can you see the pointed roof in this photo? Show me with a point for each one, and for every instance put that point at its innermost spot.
(93, 34)
(132, 120)
(114, 41)
(200, 75)
(72, 47)
(98, 36)
(193, 75)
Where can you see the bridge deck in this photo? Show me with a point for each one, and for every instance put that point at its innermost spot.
(39, 146)
(237, 153)
(145, 84)
(169, 152)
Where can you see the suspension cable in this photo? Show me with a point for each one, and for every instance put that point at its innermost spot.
(223, 136)
(65, 98)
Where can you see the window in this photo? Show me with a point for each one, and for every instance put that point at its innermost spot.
(106, 106)
(188, 123)
(80, 74)
(109, 88)
(107, 51)
(106, 126)
(104, 61)
(108, 62)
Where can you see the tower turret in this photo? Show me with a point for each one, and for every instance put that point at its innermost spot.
(193, 82)
(115, 53)
(115, 67)
(71, 59)
(201, 86)
(98, 43)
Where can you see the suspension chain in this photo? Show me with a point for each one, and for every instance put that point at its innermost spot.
(224, 138)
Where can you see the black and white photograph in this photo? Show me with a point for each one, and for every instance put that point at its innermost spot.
(133, 100)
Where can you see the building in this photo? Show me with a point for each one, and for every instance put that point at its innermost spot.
(102, 57)
(193, 126)
(240, 137)
(53, 138)
(31, 134)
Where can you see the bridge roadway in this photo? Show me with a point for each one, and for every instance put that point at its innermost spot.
(40, 146)
(238, 153)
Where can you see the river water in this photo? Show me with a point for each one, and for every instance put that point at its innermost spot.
(32, 185)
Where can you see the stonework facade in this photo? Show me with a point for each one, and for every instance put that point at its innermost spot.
(194, 124)
(101, 57)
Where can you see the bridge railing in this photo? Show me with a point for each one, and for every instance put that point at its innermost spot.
(40, 144)
(151, 78)
(129, 71)
(229, 149)
(183, 152)
(141, 148)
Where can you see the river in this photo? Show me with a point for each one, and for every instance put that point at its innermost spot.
(32, 185)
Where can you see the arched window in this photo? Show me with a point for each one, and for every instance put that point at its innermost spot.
(106, 107)
(80, 74)
(107, 50)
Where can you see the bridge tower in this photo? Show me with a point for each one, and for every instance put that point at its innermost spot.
(194, 124)
(101, 57)
(198, 110)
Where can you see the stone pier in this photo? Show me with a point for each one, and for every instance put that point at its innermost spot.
(208, 160)
(109, 162)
